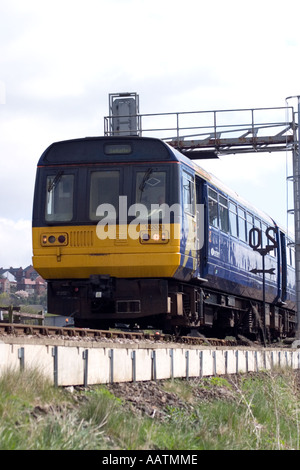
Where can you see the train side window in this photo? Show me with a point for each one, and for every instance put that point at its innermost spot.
(59, 197)
(233, 219)
(250, 223)
(223, 208)
(213, 208)
(291, 253)
(264, 240)
(242, 224)
(104, 189)
(257, 224)
(188, 193)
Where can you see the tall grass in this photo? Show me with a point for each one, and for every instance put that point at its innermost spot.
(254, 412)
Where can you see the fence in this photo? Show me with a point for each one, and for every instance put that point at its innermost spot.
(82, 363)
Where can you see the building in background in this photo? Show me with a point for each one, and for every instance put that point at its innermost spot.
(19, 279)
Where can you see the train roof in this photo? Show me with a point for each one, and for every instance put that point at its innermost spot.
(106, 149)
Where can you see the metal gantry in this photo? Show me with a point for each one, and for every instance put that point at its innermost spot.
(210, 134)
(206, 134)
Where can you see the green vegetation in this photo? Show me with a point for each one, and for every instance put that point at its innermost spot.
(250, 412)
(23, 298)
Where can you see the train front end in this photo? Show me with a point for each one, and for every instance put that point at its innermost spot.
(107, 229)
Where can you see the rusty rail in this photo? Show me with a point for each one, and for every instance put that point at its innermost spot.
(18, 329)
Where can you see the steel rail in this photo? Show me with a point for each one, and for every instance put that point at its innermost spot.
(18, 329)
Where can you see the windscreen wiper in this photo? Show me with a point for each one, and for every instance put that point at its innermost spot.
(55, 181)
(145, 179)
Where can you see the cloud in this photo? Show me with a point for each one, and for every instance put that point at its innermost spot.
(59, 60)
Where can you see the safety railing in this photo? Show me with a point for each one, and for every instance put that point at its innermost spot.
(222, 131)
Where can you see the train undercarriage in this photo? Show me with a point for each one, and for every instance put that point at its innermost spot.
(168, 305)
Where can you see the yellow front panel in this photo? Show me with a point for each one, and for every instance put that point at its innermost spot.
(78, 252)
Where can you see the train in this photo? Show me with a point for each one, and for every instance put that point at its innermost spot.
(130, 231)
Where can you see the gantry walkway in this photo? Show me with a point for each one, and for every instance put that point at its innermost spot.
(206, 134)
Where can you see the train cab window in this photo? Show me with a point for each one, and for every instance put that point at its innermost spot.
(188, 194)
(150, 188)
(104, 189)
(233, 219)
(242, 224)
(223, 209)
(59, 197)
(213, 208)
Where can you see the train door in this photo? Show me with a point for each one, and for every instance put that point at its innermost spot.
(189, 226)
(201, 225)
(282, 257)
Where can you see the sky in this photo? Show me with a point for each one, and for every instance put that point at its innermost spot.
(59, 61)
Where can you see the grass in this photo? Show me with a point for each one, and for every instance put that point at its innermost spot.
(246, 412)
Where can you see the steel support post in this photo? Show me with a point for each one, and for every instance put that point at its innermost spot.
(296, 184)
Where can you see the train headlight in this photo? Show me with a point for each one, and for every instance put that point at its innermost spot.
(154, 237)
(54, 239)
(144, 237)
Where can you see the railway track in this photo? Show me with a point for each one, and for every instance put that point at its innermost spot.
(20, 329)
(75, 356)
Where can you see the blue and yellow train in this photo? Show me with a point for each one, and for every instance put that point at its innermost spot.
(129, 230)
